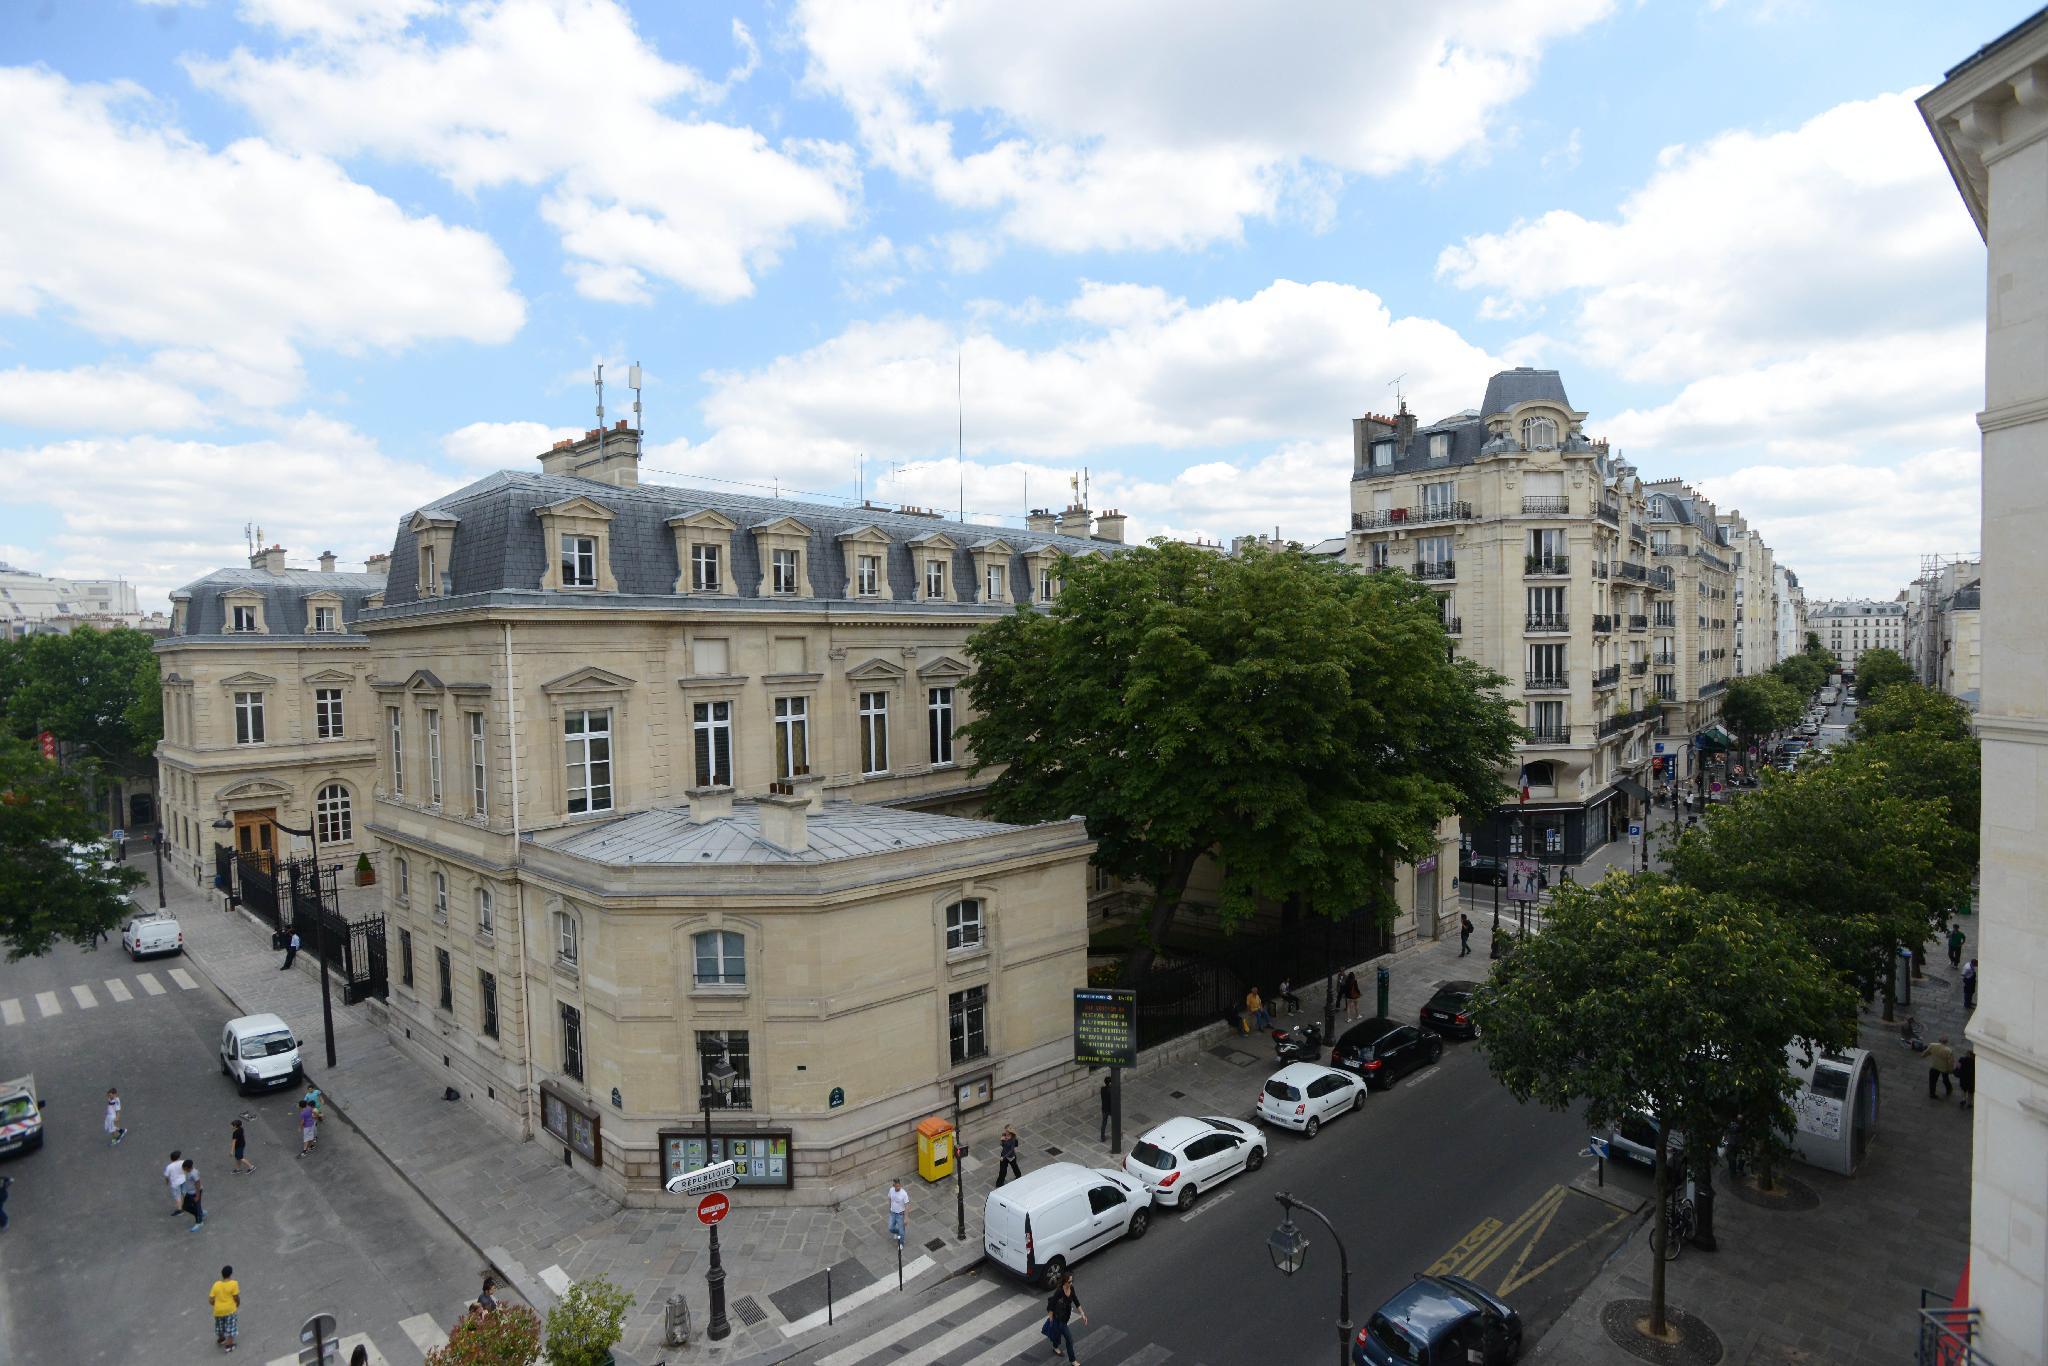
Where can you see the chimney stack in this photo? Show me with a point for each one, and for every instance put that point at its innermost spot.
(709, 804)
(784, 818)
(1110, 527)
(617, 463)
(1404, 427)
(378, 564)
(270, 560)
(1041, 520)
(327, 562)
(1074, 521)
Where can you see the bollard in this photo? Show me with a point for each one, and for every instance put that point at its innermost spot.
(1383, 978)
(899, 1265)
(828, 1297)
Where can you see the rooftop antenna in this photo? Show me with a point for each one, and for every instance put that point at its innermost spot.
(1084, 486)
(1395, 385)
(860, 478)
(960, 425)
(249, 536)
(600, 413)
(633, 383)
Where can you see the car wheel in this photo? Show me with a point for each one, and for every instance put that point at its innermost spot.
(1436, 1049)
(224, 1068)
(1140, 1221)
(1055, 1269)
(1187, 1198)
(1313, 1127)
(1255, 1159)
(1358, 1099)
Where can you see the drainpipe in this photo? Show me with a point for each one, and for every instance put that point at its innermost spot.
(519, 888)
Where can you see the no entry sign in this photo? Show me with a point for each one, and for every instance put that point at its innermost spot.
(712, 1208)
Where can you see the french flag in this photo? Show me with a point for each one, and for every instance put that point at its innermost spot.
(1525, 782)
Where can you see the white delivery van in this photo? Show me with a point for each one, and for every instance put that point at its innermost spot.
(259, 1052)
(1047, 1219)
(149, 933)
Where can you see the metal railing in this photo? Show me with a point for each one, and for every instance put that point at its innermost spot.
(1546, 507)
(1547, 683)
(1637, 622)
(1709, 689)
(1948, 1332)
(1454, 625)
(1638, 668)
(1665, 661)
(1440, 512)
(1630, 570)
(1546, 564)
(1635, 533)
(1549, 621)
(1608, 513)
(1599, 569)
(1602, 623)
(1435, 569)
(1661, 577)
(1423, 515)
(1550, 735)
(1607, 677)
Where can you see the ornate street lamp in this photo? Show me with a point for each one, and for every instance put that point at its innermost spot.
(1288, 1248)
(719, 1076)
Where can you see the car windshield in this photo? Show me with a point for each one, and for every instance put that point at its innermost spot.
(1396, 1344)
(15, 1109)
(1280, 1090)
(267, 1046)
(1152, 1155)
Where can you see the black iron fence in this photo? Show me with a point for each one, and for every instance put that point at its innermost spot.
(1198, 986)
(296, 895)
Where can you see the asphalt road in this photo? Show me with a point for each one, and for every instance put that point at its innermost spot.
(1445, 1171)
(94, 1268)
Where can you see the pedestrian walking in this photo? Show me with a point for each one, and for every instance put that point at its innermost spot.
(238, 1140)
(1007, 1167)
(309, 1124)
(487, 1298)
(1941, 1065)
(116, 1131)
(318, 1100)
(192, 1192)
(1955, 946)
(1059, 1313)
(360, 1356)
(1970, 985)
(899, 1210)
(1351, 995)
(174, 1177)
(1103, 1095)
(291, 950)
(1966, 1078)
(1255, 1011)
(226, 1295)
(1464, 935)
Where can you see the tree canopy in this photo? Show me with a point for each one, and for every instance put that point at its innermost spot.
(1879, 669)
(1921, 741)
(53, 883)
(1645, 994)
(1304, 723)
(97, 689)
(1757, 705)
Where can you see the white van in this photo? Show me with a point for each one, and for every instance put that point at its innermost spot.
(259, 1052)
(1051, 1217)
(149, 933)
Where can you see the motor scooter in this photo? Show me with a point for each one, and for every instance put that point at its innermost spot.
(1303, 1043)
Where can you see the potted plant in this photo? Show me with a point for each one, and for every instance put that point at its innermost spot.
(366, 876)
(585, 1324)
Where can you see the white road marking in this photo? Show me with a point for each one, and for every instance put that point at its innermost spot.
(885, 1286)
(1426, 1073)
(1208, 1203)
(10, 1011)
(184, 979)
(46, 1001)
(1032, 1339)
(1151, 1354)
(556, 1279)
(904, 1327)
(149, 983)
(935, 1351)
(424, 1332)
(83, 995)
(118, 989)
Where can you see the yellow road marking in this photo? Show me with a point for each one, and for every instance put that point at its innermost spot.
(1543, 1207)
(1465, 1247)
(1513, 1283)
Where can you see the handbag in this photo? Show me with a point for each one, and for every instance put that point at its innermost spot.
(1050, 1328)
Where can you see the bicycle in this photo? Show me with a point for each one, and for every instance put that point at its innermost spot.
(1681, 1222)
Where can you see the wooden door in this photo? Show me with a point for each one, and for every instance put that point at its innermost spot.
(256, 835)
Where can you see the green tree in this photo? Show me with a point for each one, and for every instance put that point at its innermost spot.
(1879, 669)
(1756, 706)
(585, 1325)
(1644, 995)
(1922, 741)
(1914, 708)
(96, 689)
(1303, 723)
(506, 1336)
(1803, 673)
(53, 883)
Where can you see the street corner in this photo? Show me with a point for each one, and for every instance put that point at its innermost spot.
(1541, 1258)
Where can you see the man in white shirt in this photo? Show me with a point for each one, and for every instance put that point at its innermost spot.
(174, 1177)
(899, 1206)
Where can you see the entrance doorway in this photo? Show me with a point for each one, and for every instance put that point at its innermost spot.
(256, 835)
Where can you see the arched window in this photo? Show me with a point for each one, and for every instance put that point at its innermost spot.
(721, 958)
(331, 815)
(1542, 773)
(1538, 434)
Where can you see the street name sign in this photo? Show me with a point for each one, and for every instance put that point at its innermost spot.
(719, 1176)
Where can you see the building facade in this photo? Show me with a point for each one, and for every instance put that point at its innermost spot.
(1756, 593)
(1849, 627)
(31, 602)
(268, 711)
(1990, 120)
(1943, 634)
(1790, 625)
(1693, 644)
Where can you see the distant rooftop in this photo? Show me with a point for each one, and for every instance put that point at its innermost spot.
(842, 830)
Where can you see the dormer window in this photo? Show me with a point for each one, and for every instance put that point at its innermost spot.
(934, 579)
(430, 577)
(1439, 445)
(1382, 455)
(994, 585)
(704, 570)
(245, 619)
(1538, 434)
(326, 618)
(868, 576)
(579, 561)
(784, 572)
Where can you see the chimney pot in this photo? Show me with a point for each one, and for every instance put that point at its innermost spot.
(378, 564)
(784, 818)
(327, 562)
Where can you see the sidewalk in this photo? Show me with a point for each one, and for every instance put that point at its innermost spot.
(544, 1226)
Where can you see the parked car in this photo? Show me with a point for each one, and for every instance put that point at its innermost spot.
(1183, 1157)
(259, 1052)
(1383, 1051)
(1450, 1010)
(150, 933)
(1484, 869)
(1436, 1320)
(1053, 1216)
(1634, 1136)
(1302, 1095)
(21, 1116)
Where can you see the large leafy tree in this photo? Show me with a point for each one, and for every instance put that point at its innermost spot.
(1643, 994)
(1879, 669)
(54, 884)
(96, 689)
(1917, 709)
(1755, 706)
(1303, 723)
(1922, 742)
(1804, 673)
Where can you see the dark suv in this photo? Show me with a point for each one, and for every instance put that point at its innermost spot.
(1440, 1320)
(1383, 1051)
(1484, 869)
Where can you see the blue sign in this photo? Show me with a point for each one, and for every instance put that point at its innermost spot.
(1658, 747)
(1635, 830)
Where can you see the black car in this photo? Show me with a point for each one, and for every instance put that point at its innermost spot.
(1450, 1010)
(1440, 1319)
(1383, 1051)
(1484, 869)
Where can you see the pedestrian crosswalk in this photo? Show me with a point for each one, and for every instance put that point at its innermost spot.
(420, 1331)
(988, 1321)
(14, 1010)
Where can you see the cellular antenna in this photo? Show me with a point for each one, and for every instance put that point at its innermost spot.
(960, 426)
(600, 415)
(1395, 385)
(633, 383)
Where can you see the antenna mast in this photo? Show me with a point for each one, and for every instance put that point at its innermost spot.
(1395, 384)
(633, 383)
(960, 426)
(600, 412)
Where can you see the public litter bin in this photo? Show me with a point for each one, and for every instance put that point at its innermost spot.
(934, 1148)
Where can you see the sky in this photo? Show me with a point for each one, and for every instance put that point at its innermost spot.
(305, 265)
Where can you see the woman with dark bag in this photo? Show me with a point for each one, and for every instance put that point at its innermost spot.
(1059, 1310)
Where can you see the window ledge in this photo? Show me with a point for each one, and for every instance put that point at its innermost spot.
(719, 990)
(566, 968)
(488, 938)
(979, 949)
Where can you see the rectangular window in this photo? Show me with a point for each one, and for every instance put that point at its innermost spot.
(868, 575)
(441, 897)
(1434, 551)
(396, 727)
(587, 750)
(1437, 498)
(710, 657)
(430, 578)
(792, 739)
(327, 713)
(963, 925)
(939, 713)
(572, 1042)
(712, 731)
(1546, 720)
(404, 882)
(486, 913)
(704, 574)
(967, 1023)
(444, 972)
(1547, 663)
(1382, 554)
(565, 938)
(248, 718)
(579, 561)
(1439, 445)
(727, 1046)
(1547, 544)
(934, 579)
(245, 618)
(996, 579)
(783, 563)
(721, 959)
(1382, 455)
(433, 728)
(405, 957)
(1045, 583)
(487, 993)
(874, 732)
(327, 618)
(479, 789)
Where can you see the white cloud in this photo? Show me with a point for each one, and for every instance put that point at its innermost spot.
(336, 19)
(1154, 124)
(105, 398)
(232, 260)
(564, 97)
(503, 445)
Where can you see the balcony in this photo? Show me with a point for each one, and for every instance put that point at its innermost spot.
(1664, 623)
(1667, 694)
(1439, 512)
(1665, 661)
(1632, 571)
(1607, 677)
(1434, 569)
(1547, 683)
(1635, 534)
(1599, 569)
(1709, 689)
(1602, 624)
(1609, 513)
(1638, 668)
(1661, 578)
(1454, 626)
(1549, 621)
(1546, 507)
(1638, 623)
(1550, 735)
(1546, 564)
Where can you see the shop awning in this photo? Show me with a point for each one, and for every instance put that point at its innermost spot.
(1634, 789)
(1713, 737)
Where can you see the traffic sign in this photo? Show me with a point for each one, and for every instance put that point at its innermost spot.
(1597, 1147)
(320, 1342)
(712, 1208)
(719, 1176)
(1635, 830)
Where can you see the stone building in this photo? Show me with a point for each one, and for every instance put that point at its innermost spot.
(1756, 593)
(1692, 643)
(268, 712)
(1850, 626)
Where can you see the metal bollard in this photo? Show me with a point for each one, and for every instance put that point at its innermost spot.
(828, 1297)
(675, 1322)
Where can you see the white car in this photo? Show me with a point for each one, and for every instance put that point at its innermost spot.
(150, 933)
(1302, 1095)
(1183, 1157)
(259, 1052)
(1053, 1216)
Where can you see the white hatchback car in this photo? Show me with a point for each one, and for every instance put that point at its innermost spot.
(1179, 1159)
(1302, 1095)
(150, 933)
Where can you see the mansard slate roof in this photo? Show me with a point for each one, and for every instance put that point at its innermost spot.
(842, 830)
(284, 603)
(1523, 385)
(499, 552)
(1467, 429)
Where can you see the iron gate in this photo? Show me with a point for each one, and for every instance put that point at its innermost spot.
(363, 956)
(299, 896)
(257, 877)
(224, 872)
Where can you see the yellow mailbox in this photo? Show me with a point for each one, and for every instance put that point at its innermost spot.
(934, 1148)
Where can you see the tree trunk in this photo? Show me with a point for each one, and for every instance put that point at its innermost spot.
(1659, 1231)
(1888, 986)
(1165, 903)
(1703, 1195)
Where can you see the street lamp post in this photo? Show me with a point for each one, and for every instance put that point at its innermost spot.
(719, 1077)
(157, 841)
(312, 832)
(1288, 1248)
